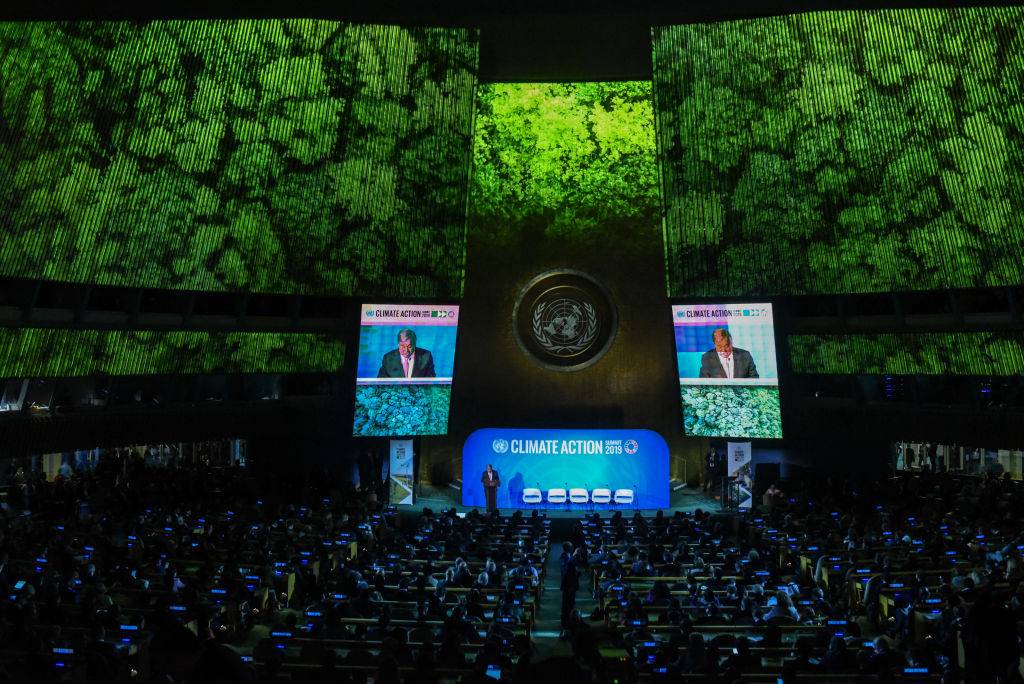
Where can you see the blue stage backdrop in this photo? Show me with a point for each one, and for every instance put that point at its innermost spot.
(636, 460)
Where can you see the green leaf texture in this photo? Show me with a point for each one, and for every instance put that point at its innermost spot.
(291, 156)
(831, 152)
(51, 352)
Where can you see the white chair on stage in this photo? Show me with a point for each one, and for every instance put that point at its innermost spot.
(556, 496)
(532, 496)
(623, 497)
(601, 496)
(578, 495)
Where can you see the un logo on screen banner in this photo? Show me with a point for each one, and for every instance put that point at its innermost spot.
(631, 447)
(499, 446)
(564, 319)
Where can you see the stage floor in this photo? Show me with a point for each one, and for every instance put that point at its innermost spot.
(683, 499)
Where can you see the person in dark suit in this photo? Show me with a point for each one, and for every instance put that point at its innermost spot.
(491, 481)
(408, 361)
(726, 361)
(569, 584)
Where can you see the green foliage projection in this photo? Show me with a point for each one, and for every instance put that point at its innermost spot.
(981, 353)
(49, 352)
(724, 411)
(843, 151)
(568, 159)
(401, 410)
(297, 155)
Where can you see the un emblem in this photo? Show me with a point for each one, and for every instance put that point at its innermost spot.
(564, 326)
(500, 446)
(564, 319)
(631, 447)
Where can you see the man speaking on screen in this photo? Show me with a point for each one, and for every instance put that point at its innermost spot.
(408, 361)
(725, 360)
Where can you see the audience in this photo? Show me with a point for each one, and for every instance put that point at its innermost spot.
(894, 578)
(133, 572)
(193, 573)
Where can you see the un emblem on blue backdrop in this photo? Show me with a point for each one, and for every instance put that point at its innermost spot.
(631, 447)
(500, 446)
(564, 319)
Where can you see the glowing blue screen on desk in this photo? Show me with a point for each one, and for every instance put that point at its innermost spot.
(636, 460)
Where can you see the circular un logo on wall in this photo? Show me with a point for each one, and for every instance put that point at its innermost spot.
(564, 319)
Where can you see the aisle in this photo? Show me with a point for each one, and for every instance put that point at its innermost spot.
(547, 626)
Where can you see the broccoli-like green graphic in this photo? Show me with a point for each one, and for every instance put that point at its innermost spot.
(52, 352)
(304, 156)
(728, 411)
(383, 410)
(574, 160)
(969, 353)
(842, 151)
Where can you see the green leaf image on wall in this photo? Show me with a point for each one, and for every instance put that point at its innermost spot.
(854, 151)
(249, 155)
(969, 353)
(54, 352)
(729, 411)
(571, 159)
(401, 410)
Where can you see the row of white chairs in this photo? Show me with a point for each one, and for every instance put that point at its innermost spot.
(579, 495)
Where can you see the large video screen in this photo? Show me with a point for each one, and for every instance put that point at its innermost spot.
(262, 155)
(941, 353)
(405, 368)
(849, 151)
(60, 353)
(576, 159)
(566, 469)
(728, 373)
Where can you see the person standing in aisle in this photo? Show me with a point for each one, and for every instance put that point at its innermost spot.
(569, 585)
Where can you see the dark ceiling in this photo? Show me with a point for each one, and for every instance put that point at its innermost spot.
(521, 40)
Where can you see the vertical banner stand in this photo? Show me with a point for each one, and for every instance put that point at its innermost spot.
(401, 479)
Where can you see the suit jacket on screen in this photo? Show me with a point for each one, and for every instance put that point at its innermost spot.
(742, 365)
(391, 365)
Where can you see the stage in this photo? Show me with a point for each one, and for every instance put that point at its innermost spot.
(681, 497)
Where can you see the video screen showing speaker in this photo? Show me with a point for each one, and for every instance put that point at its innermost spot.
(565, 469)
(405, 367)
(728, 373)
